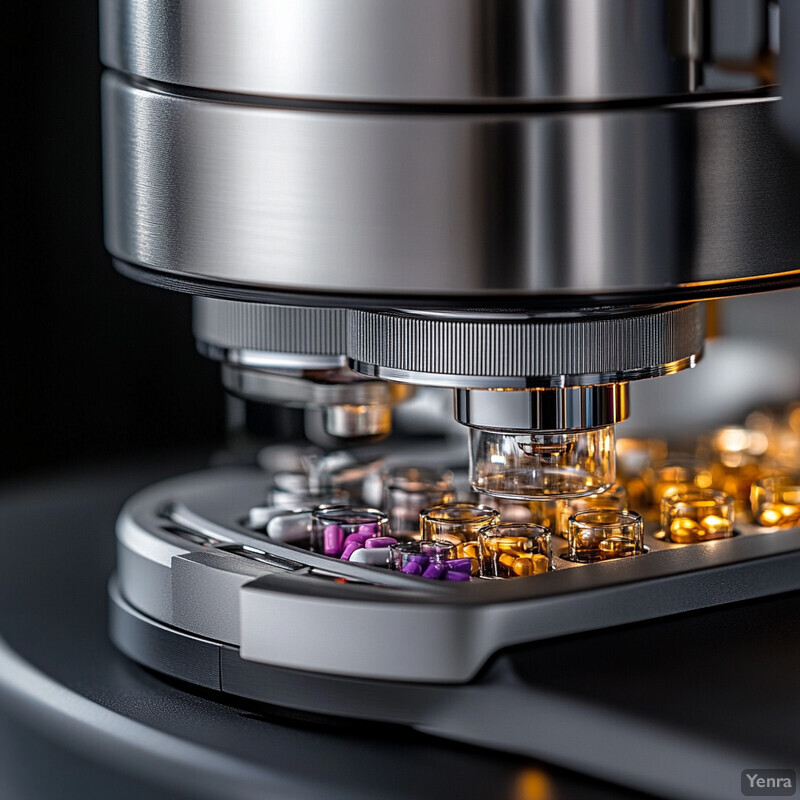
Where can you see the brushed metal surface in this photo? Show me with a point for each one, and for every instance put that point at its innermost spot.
(411, 50)
(453, 204)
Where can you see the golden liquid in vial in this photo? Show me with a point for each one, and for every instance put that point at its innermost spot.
(511, 556)
(615, 544)
(456, 522)
(776, 501)
(778, 515)
(700, 517)
(604, 534)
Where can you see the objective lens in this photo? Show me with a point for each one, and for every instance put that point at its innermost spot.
(541, 465)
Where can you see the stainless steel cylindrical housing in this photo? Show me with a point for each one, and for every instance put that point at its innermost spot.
(627, 203)
(469, 193)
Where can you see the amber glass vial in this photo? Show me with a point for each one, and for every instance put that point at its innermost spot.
(456, 522)
(698, 516)
(776, 501)
(514, 550)
(604, 534)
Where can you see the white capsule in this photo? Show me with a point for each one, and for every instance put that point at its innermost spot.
(376, 556)
(290, 526)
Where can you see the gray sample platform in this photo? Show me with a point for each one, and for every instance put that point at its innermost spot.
(74, 713)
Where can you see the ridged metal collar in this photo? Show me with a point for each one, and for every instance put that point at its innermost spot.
(470, 350)
(523, 352)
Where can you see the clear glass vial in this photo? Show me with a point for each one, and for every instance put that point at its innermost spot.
(615, 498)
(336, 530)
(736, 454)
(680, 474)
(456, 522)
(409, 490)
(697, 516)
(636, 463)
(297, 490)
(542, 465)
(436, 560)
(775, 501)
(604, 534)
(540, 512)
(514, 550)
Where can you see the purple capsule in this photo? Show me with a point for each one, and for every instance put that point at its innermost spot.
(419, 559)
(355, 537)
(370, 529)
(435, 570)
(460, 565)
(349, 549)
(380, 541)
(332, 540)
(411, 568)
(455, 575)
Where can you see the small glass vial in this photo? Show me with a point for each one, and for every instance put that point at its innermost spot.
(434, 560)
(614, 498)
(540, 512)
(636, 463)
(514, 550)
(735, 454)
(339, 531)
(543, 465)
(456, 523)
(678, 475)
(697, 516)
(409, 490)
(297, 490)
(776, 501)
(604, 534)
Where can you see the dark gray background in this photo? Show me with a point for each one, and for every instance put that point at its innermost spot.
(95, 365)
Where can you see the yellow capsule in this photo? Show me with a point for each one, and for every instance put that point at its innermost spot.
(683, 530)
(476, 566)
(507, 560)
(523, 566)
(715, 525)
(512, 544)
(611, 546)
(788, 511)
(468, 550)
(769, 516)
(540, 564)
